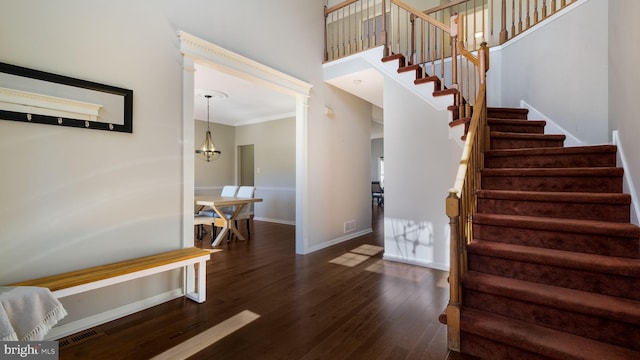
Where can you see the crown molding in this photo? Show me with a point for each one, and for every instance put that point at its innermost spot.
(230, 62)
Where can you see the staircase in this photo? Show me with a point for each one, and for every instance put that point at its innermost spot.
(554, 265)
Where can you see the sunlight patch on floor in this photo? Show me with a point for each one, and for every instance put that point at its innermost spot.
(349, 259)
(357, 256)
(444, 281)
(398, 270)
(208, 337)
(369, 250)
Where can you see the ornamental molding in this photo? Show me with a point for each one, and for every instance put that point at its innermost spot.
(230, 62)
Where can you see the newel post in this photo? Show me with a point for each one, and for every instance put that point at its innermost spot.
(453, 308)
(483, 57)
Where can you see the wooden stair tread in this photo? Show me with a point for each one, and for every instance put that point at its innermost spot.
(565, 259)
(572, 197)
(415, 68)
(558, 172)
(539, 339)
(520, 122)
(624, 310)
(460, 121)
(393, 57)
(510, 135)
(507, 109)
(552, 151)
(562, 225)
(445, 92)
(427, 79)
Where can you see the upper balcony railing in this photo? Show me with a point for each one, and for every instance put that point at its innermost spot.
(356, 25)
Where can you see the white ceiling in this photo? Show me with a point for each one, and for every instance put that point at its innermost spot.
(365, 84)
(246, 102)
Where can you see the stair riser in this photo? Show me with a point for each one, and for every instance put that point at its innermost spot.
(559, 317)
(607, 284)
(565, 210)
(588, 243)
(597, 184)
(507, 143)
(507, 114)
(488, 349)
(521, 129)
(548, 161)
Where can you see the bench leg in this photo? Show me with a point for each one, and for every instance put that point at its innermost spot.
(196, 282)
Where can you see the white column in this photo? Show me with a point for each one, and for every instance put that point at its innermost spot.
(302, 174)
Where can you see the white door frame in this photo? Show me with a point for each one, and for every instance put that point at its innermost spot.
(194, 50)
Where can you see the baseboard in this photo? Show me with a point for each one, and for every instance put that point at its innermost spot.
(627, 180)
(277, 221)
(427, 264)
(101, 318)
(552, 127)
(338, 240)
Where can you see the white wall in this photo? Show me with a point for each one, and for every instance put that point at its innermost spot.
(211, 176)
(420, 167)
(275, 167)
(624, 87)
(339, 168)
(560, 69)
(73, 198)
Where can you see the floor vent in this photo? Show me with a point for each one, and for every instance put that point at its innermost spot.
(78, 337)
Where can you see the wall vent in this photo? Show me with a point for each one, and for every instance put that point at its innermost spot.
(349, 226)
(78, 337)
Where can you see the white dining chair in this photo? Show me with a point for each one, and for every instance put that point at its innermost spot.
(246, 212)
(207, 216)
(199, 221)
(229, 190)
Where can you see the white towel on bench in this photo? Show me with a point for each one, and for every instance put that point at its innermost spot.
(27, 313)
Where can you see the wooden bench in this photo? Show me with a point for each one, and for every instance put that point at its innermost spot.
(78, 281)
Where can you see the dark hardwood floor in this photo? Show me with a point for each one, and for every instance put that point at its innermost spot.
(309, 308)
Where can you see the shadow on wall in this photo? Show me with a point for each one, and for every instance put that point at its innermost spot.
(412, 239)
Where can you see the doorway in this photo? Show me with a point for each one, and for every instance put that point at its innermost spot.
(194, 49)
(246, 165)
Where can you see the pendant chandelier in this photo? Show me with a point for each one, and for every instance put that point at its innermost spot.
(207, 151)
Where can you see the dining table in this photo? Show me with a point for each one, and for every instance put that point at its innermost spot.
(225, 219)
